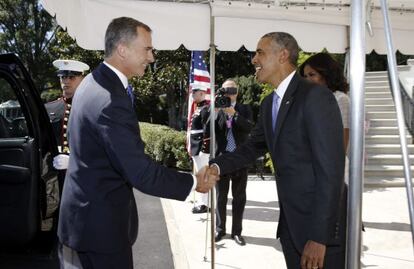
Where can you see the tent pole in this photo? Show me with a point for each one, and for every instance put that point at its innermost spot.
(356, 167)
(395, 87)
(212, 133)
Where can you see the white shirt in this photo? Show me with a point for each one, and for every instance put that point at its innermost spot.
(281, 89)
(124, 81)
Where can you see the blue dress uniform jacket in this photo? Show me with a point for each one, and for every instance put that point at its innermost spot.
(308, 154)
(197, 130)
(98, 211)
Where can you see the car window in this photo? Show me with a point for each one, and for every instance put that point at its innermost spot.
(12, 121)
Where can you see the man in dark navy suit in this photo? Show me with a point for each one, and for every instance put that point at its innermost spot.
(98, 216)
(300, 125)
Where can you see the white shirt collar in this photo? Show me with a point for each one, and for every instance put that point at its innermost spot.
(120, 75)
(281, 89)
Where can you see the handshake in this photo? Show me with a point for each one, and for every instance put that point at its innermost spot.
(207, 178)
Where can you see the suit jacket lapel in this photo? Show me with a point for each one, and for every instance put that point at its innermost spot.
(267, 117)
(285, 105)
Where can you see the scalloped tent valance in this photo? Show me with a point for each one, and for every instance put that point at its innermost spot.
(316, 24)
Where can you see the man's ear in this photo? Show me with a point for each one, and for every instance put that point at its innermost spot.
(121, 50)
(284, 56)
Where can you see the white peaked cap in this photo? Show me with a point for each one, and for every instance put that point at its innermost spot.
(70, 65)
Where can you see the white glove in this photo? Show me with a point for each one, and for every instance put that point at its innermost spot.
(61, 162)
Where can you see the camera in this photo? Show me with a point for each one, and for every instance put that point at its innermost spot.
(222, 100)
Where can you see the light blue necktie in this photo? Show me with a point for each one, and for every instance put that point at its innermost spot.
(275, 110)
(130, 93)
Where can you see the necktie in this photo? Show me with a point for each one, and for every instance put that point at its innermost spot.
(275, 110)
(231, 142)
(130, 93)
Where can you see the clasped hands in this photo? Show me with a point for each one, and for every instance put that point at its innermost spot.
(207, 178)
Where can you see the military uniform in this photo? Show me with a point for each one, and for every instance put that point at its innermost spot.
(198, 133)
(199, 148)
(59, 111)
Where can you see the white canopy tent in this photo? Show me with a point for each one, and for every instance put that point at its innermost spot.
(316, 24)
(227, 25)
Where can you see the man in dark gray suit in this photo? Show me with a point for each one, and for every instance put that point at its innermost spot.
(98, 217)
(300, 125)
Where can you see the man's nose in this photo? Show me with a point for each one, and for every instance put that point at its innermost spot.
(254, 59)
(151, 57)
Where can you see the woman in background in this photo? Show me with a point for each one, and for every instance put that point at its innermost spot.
(322, 69)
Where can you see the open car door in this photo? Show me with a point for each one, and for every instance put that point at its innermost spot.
(29, 186)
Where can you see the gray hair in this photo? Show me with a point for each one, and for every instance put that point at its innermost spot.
(121, 30)
(285, 41)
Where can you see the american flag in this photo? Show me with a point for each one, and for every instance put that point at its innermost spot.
(199, 77)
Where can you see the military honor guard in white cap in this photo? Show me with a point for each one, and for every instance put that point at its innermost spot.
(199, 141)
(70, 73)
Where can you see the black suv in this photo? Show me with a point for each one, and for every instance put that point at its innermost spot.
(29, 185)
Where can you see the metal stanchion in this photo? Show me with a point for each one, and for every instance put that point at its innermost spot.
(356, 167)
(395, 87)
(213, 226)
(206, 237)
(212, 132)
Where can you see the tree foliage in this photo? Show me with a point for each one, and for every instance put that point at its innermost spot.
(27, 30)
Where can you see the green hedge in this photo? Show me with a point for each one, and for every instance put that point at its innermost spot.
(165, 145)
(50, 95)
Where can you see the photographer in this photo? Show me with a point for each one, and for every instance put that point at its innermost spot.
(233, 125)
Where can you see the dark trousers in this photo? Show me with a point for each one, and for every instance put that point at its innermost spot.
(238, 190)
(72, 259)
(334, 257)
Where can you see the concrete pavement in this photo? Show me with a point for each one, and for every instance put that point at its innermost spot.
(386, 242)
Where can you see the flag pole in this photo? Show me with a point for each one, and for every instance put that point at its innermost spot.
(212, 133)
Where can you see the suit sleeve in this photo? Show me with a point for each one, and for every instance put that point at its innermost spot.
(324, 126)
(118, 128)
(254, 147)
(244, 120)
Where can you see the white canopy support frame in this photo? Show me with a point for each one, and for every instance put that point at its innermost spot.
(212, 136)
(316, 24)
(395, 87)
(356, 160)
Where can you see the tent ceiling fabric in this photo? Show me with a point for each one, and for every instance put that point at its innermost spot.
(316, 24)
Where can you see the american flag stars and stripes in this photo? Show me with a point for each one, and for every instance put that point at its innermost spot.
(199, 77)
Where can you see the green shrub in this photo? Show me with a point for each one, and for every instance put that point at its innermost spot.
(50, 95)
(165, 145)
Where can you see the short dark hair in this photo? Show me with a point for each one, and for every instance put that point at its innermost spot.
(285, 41)
(329, 69)
(122, 29)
